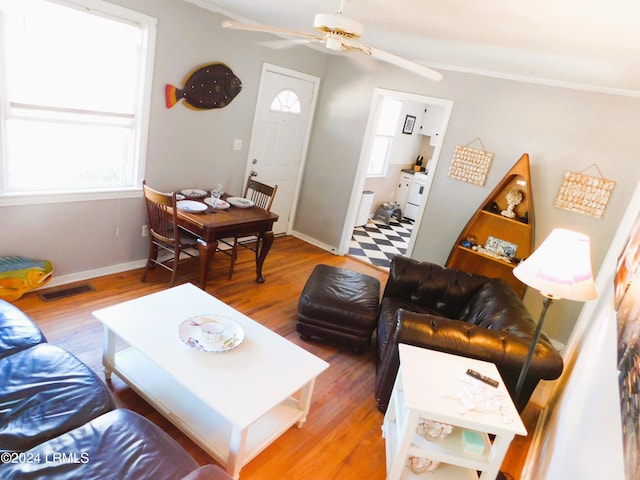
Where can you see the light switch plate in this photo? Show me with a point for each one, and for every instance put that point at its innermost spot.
(237, 144)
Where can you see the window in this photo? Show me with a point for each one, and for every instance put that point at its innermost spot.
(387, 118)
(75, 96)
(286, 101)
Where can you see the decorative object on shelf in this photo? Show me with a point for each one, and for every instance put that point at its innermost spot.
(478, 257)
(585, 194)
(18, 275)
(206, 87)
(472, 442)
(409, 123)
(559, 268)
(421, 465)
(493, 207)
(432, 430)
(469, 242)
(514, 197)
(501, 248)
(470, 165)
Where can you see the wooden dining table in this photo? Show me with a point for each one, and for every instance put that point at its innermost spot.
(213, 224)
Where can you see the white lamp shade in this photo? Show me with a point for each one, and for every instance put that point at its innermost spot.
(560, 267)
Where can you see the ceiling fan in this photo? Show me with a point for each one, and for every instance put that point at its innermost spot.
(340, 34)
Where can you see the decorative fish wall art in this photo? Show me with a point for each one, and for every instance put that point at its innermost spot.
(206, 87)
(18, 275)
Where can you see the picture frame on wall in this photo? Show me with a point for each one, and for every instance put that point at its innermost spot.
(409, 123)
(626, 286)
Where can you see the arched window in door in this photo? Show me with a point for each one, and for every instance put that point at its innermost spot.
(286, 101)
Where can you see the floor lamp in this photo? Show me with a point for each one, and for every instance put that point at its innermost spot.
(559, 268)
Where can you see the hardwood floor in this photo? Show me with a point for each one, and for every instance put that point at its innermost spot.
(342, 436)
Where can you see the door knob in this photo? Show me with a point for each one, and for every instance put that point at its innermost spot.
(254, 161)
(253, 173)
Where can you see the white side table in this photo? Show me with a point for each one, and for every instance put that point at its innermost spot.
(428, 385)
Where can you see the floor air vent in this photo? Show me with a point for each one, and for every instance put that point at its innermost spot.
(66, 292)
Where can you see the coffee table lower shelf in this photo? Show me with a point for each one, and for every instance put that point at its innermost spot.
(199, 422)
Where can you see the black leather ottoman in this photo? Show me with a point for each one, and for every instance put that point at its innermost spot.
(339, 305)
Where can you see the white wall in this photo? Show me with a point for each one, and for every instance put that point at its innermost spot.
(186, 148)
(406, 147)
(560, 129)
(582, 435)
(402, 154)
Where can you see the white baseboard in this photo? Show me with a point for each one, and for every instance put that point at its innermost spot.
(80, 276)
(534, 446)
(123, 267)
(314, 242)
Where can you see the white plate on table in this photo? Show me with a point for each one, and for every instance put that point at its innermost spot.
(193, 193)
(240, 202)
(220, 204)
(189, 332)
(191, 206)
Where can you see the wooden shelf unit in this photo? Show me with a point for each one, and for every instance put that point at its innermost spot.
(488, 221)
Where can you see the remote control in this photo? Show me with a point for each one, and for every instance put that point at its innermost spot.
(482, 378)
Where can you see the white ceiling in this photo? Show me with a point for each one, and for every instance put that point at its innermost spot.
(592, 44)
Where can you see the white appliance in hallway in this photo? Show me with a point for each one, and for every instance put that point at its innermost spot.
(414, 197)
(365, 208)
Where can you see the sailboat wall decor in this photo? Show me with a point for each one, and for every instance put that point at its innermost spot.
(500, 233)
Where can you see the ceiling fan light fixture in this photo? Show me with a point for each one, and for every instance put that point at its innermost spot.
(328, 23)
(333, 43)
(339, 34)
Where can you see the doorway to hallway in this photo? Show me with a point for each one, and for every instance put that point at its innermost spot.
(423, 140)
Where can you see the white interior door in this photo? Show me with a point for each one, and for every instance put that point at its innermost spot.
(281, 126)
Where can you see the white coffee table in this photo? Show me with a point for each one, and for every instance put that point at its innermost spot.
(233, 404)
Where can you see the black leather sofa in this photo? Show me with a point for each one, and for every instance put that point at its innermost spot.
(58, 419)
(444, 309)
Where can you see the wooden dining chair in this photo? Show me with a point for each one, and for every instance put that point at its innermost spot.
(262, 196)
(165, 236)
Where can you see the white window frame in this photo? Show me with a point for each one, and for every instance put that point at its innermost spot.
(142, 113)
(292, 104)
(389, 139)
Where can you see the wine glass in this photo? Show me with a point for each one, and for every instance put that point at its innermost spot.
(215, 196)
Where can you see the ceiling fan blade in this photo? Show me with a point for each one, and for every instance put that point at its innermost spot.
(402, 63)
(284, 43)
(254, 27)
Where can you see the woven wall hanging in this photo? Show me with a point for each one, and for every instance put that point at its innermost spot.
(470, 165)
(585, 194)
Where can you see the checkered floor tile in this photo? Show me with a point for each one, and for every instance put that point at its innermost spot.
(377, 243)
